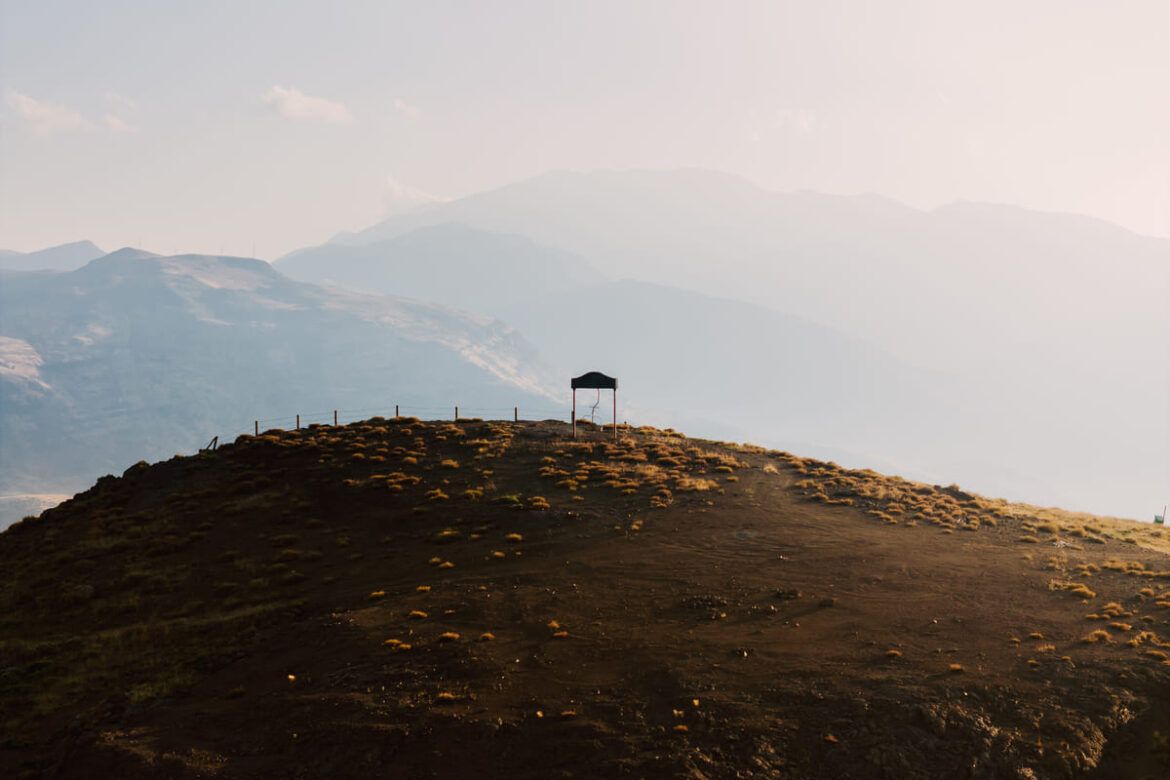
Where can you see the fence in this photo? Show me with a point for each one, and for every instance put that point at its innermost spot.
(345, 416)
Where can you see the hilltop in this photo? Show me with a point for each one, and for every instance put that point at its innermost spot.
(485, 599)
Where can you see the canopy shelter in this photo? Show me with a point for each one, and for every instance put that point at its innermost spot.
(594, 380)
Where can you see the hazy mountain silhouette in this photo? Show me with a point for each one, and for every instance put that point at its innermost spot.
(864, 263)
(460, 266)
(66, 257)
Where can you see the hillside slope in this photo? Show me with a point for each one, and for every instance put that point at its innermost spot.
(415, 599)
(476, 270)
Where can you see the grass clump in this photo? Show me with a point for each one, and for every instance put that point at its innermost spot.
(1073, 588)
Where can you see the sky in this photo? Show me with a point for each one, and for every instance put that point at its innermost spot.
(255, 128)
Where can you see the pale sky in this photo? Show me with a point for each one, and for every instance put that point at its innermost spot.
(218, 126)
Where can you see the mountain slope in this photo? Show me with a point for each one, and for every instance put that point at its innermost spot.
(862, 263)
(66, 257)
(497, 600)
(460, 266)
(136, 354)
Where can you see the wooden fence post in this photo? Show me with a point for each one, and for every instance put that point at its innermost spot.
(334, 418)
(515, 414)
(456, 414)
(298, 422)
(396, 414)
(257, 427)
(615, 414)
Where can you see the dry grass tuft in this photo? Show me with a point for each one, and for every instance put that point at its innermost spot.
(1073, 588)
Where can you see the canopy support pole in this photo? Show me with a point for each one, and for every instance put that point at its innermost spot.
(615, 414)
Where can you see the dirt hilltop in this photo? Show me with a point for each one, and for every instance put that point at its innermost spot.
(399, 598)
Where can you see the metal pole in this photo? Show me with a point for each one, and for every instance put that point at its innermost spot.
(334, 418)
(615, 414)
(574, 412)
(515, 414)
(396, 410)
(298, 422)
(456, 414)
(257, 427)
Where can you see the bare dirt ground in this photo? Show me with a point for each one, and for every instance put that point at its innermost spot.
(303, 604)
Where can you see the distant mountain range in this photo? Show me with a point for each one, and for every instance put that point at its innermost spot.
(136, 356)
(66, 257)
(1020, 353)
(977, 273)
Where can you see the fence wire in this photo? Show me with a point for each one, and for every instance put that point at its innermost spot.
(346, 416)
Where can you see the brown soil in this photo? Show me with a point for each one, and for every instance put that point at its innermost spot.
(703, 610)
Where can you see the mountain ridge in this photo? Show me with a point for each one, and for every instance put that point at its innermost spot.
(136, 354)
(63, 257)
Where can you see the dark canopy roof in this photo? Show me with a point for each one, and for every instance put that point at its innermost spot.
(594, 379)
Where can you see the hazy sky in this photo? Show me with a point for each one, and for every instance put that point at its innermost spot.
(209, 126)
